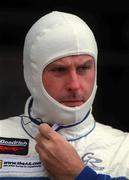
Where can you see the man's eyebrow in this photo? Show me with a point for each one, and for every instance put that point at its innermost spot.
(57, 64)
(84, 62)
(54, 65)
(60, 65)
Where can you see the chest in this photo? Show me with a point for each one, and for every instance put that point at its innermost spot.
(104, 157)
(18, 158)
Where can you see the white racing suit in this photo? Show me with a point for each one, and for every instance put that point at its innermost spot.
(102, 149)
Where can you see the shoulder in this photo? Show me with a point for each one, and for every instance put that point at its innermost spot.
(109, 129)
(10, 125)
(109, 133)
(10, 120)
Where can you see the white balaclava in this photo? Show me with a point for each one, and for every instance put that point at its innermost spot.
(54, 36)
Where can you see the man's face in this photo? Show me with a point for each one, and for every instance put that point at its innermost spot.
(70, 80)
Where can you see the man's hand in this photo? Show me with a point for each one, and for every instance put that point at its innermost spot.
(58, 156)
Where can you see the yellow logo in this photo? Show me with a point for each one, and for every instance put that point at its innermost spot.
(1, 163)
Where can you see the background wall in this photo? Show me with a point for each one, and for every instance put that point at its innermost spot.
(110, 24)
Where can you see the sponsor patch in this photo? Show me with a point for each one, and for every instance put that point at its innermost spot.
(25, 164)
(15, 146)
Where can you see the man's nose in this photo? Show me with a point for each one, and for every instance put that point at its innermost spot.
(73, 81)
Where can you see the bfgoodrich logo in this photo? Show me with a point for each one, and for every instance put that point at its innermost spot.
(15, 146)
(12, 142)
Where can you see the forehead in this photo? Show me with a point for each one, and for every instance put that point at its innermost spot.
(76, 59)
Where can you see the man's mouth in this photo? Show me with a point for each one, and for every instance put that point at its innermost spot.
(72, 103)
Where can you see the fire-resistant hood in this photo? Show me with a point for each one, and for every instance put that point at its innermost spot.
(54, 36)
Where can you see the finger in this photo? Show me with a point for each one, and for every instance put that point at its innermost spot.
(42, 154)
(41, 141)
(37, 148)
(45, 130)
(40, 147)
(37, 137)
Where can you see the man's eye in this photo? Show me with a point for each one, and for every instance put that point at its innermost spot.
(82, 68)
(59, 70)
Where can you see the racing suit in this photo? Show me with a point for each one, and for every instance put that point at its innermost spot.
(102, 148)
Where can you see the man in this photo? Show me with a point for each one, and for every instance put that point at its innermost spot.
(57, 136)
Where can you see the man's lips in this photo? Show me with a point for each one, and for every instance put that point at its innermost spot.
(72, 103)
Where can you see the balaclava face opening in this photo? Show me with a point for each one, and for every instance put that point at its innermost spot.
(54, 36)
